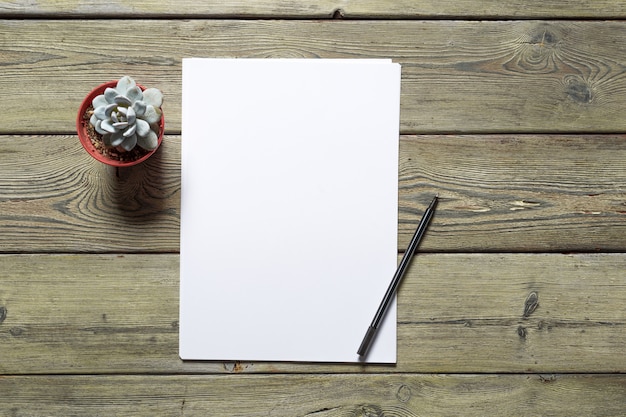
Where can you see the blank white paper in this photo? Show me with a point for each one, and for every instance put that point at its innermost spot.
(289, 208)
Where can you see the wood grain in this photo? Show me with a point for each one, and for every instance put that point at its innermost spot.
(499, 193)
(389, 9)
(516, 192)
(457, 76)
(56, 198)
(517, 124)
(93, 314)
(315, 395)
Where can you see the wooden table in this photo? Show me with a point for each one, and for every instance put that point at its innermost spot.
(515, 112)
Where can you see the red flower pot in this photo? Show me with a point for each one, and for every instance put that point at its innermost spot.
(82, 124)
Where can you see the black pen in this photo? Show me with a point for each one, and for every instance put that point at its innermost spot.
(393, 286)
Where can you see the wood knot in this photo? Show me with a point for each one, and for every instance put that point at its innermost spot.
(578, 90)
(531, 304)
(368, 410)
(16, 331)
(536, 52)
(3, 313)
(404, 393)
(234, 367)
(338, 14)
(371, 410)
(543, 37)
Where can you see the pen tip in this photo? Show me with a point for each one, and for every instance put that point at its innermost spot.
(437, 195)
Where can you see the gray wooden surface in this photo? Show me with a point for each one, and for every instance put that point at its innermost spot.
(512, 112)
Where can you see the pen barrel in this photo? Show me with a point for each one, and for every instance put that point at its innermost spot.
(404, 262)
(367, 340)
(393, 286)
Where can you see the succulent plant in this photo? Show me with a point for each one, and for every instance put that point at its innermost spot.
(126, 116)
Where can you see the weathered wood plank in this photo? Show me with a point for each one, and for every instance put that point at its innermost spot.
(405, 9)
(457, 313)
(499, 193)
(56, 198)
(315, 395)
(458, 76)
(516, 193)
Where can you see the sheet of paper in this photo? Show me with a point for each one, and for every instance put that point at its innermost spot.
(288, 208)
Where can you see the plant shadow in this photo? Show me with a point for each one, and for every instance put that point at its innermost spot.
(147, 195)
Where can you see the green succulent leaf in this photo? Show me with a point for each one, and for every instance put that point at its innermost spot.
(130, 131)
(109, 109)
(134, 94)
(99, 101)
(120, 125)
(149, 142)
(152, 115)
(123, 101)
(100, 112)
(143, 127)
(106, 139)
(129, 142)
(124, 84)
(99, 129)
(117, 138)
(108, 126)
(139, 107)
(110, 94)
(131, 116)
(153, 96)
